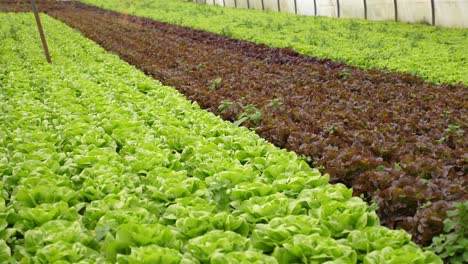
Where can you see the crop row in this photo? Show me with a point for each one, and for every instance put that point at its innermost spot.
(100, 163)
(433, 53)
(391, 137)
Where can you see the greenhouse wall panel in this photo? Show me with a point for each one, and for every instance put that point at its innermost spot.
(448, 13)
(256, 4)
(242, 4)
(287, 6)
(415, 11)
(451, 13)
(230, 3)
(380, 10)
(271, 5)
(305, 7)
(327, 8)
(352, 9)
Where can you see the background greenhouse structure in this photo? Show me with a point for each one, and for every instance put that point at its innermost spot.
(447, 13)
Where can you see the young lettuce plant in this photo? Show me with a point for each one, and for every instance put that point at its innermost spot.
(452, 245)
(251, 113)
(225, 106)
(276, 103)
(214, 83)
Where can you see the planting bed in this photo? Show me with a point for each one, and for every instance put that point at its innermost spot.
(436, 54)
(392, 137)
(101, 164)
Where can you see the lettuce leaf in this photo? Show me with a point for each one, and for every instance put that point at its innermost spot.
(314, 249)
(405, 254)
(149, 255)
(204, 247)
(279, 231)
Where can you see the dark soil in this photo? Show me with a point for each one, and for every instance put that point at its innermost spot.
(392, 137)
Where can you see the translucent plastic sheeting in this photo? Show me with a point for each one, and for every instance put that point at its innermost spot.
(451, 13)
(242, 3)
(415, 11)
(305, 7)
(230, 3)
(327, 8)
(352, 8)
(287, 6)
(380, 10)
(256, 4)
(271, 5)
(448, 13)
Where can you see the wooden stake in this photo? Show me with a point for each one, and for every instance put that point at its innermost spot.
(365, 9)
(433, 12)
(315, 7)
(41, 32)
(338, 7)
(395, 4)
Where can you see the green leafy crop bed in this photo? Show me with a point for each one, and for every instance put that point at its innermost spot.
(99, 163)
(433, 53)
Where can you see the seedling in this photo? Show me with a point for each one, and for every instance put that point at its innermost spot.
(425, 181)
(225, 105)
(397, 166)
(455, 129)
(215, 83)
(276, 103)
(380, 168)
(452, 129)
(345, 73)
(308, 159)
(443, 139)
(251, 113)
(331, 129)
(451, 245)
(426, 204)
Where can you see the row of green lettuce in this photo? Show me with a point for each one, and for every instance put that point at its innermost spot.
(436, 54)
(101, 164)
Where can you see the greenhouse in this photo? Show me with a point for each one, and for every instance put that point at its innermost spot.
(234, 131)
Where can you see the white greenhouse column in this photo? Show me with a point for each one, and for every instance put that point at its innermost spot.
(381, 9)
(415, 11)
(327, 8)
(305, 7)
(287, 6)
(451, 13)
(352, 9)
(271, 5)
